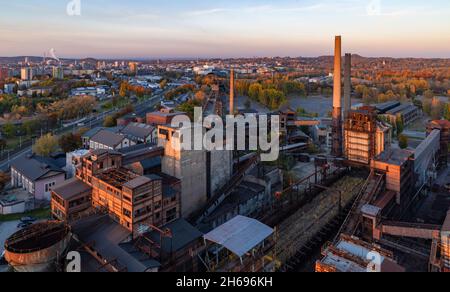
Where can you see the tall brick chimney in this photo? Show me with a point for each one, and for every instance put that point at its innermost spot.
(232, 92)
(337, 104)
(347, 84)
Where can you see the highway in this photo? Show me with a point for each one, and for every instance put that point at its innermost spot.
(140, 109)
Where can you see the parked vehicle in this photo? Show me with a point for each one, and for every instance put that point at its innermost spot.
(24, 225)
(28, 219)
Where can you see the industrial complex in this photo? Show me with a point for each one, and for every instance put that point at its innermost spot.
(365, 206)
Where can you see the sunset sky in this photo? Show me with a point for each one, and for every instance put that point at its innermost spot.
(225, 28)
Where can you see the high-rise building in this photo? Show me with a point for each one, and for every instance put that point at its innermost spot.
(58, 73)
(26, 74)
(133, 67)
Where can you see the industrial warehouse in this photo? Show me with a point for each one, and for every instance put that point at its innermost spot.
(151, 207)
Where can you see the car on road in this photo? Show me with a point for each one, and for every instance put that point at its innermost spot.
(28, 219)
(22, 225)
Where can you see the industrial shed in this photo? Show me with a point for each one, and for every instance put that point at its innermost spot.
(241, 244)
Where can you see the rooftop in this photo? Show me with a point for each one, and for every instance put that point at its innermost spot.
(402, 109)
(394, 156)
(137, 182)
(183, 234)
(138, 130)
(35, 167)
(351, 255)
(108, 138)
(71, 188)
(108, 238)
(240, 234)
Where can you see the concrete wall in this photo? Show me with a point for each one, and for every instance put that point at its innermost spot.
(14, 208)
(39, 186)
(425, 154)
(191, 170)
(221, 168)
(189, 166)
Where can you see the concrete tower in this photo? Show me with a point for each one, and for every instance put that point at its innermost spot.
(347, 84)
(232, 92)
(337, 104)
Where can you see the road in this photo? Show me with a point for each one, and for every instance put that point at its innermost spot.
(140, 108)
(6, 230)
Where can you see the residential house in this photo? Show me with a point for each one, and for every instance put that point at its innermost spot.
(37, 175)
(140, 133)
(105, 139)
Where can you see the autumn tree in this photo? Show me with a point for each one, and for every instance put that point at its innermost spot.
(254, 91)
(447, 111)
(399, 125)
(109, 122)
(4, 180)
(9, 130)
(437, 109)
(70, 142)
(46, 145)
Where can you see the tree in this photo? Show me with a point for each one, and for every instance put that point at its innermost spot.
(188, 107)
(30, 126)
(254, 91)
(4, 179)
(123, 89)
(429, 94)
(437, 109)
(447, 111)
(109, 122)
(400, 125)
(70, 142)
(9, 130)
(46, 145)
(427, 106)
(163, 83)
(403, 141)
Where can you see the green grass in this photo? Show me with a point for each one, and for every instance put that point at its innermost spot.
(39, 214)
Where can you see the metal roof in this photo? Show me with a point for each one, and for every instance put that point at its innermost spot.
(71, 188)
(108, 138)
(36, 167)
(240, 234)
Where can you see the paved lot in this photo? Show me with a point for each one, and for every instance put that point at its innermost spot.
(6, 230)
(315, 104)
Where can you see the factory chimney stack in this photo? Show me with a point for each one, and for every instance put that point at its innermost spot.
(232, 92)
(337, 104)
(347, 84)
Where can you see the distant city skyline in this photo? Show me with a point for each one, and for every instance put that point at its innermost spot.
(225, 29)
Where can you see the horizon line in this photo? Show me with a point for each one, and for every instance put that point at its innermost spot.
(218, 58)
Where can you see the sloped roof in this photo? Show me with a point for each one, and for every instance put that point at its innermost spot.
(108, 138)
(138, 130)
(35, 167)
(71, 188)
(183, 234)
(240, 234)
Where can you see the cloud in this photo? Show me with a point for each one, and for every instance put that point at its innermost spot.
(260, 8)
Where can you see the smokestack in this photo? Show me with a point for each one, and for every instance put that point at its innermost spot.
(347, 84)
(232, 92)
(337, 105)
(337, 74)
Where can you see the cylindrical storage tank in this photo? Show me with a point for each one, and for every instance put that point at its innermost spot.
(36, 248)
